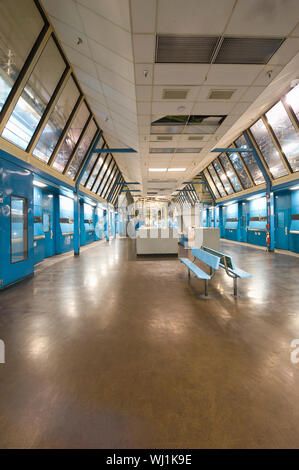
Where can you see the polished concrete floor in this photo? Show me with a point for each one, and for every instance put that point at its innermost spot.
(110, 351)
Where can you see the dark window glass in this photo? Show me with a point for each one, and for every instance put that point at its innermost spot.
(88, 168)
(20, 25)
(230, 172)
(71, 138)
(268, 149)
(57, 120)
(286, 134)
(82, 149)
(105, 178)
(216, 180)
(238, 166)
(19, 229)
(250, 161)
(211, 184)
(36, 95)
(223, 177)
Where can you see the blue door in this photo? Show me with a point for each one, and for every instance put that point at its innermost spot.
(282, 229)
(16, 223)
(48, 224)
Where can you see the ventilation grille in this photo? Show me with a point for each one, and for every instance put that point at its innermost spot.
(175, 94)
(175, 150)
(195, 137)
(164, 137)
(221, 94)
(208, 49)
(247, 50)
(185, 49)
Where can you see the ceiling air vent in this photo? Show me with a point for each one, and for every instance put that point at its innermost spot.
(174, 94)
(247, 50)
(195, 137)
(164, 137)
(185, 49)
(220, 94)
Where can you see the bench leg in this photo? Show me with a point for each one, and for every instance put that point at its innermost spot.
(206, 287)
(188, 273)
(235, 285)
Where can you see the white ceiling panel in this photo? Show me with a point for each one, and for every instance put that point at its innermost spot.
(140, 71)
(119, 98)
(263, 17)
(117, 82)
(81, 61)
(143, 93)
(264, 79)
(144, 48)
(143, 107)
(111, 60)
(212, 108)
(116, 11)
(90, 81)
(66, 11)
(252, 93)
(233, 74)
(180, 74)
(193, 17)
(240, 108)
(125, 112)
(171, 107)
(143, 15)
(69, 36)
(286, 52)
(106, 33)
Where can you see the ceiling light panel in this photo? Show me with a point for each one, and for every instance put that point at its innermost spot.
(185, 49)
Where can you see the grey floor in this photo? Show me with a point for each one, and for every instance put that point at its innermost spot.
(110, 351)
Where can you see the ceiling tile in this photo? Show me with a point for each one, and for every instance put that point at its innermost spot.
(263, 18)
(141, 79)
(90, 81)
(286, 52)
(143, 107)
(171, 107)
(295, 31)
(69, 36)
(263, 78)
(252, 93)
(119, 97)
(66, 11)
(179, 74)
(143, 93)
(144, 48)
(175, 17)
(117, 82)
(143, 15)
(116, 11)
(240, 108)
(212, 108)
(111, 60)
(81, 61)
(106, 33)
(233, 74)
(124, 112)
(191, 96)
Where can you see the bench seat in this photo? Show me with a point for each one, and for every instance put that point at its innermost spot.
(238, 273)
(195, 269)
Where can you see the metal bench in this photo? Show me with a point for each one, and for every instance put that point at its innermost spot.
(226, 263)
(207, 258)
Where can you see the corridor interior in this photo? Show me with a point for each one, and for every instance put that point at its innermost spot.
(108, 350)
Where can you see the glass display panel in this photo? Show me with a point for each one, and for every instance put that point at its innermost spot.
(239, 167)
(223, 177)
(216, 180)
(286, 133)
(268, 149)
(36, 95)
(57, 121)
(19, 229)
(230, 172)
(98, 175)
(71, 138)
(250, 161)
(96, 170)
(20, 25)
(82, 149)
(292, 98)
(211, 184)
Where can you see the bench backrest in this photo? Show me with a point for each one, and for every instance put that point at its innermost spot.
(207, 258)
(225, 260)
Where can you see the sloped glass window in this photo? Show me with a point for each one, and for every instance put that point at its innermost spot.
(57, 121)
(223, 177)
(216, 180)
(20, 25)
(102, 172)
(239, 167)
(211, 184)
(292, 99)
(286, 133)
(36, 95)
(88, 168)
(230, 172)
(82, 149)
(71, 138)
(268, 149)
(95, 172)
(110, 181)
(105, 178)
(250, 161)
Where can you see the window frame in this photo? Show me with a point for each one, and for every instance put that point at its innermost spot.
(25, 229)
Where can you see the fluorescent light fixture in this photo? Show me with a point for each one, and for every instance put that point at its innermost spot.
(176, 169)
(229, 203)
(293, 188)
(39, 184)
(157, 169)
(256, 196)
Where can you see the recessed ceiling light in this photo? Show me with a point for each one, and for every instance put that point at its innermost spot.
(39, 184)
(293, 188)
(176, 169)
(256, 196)
(157, 169)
